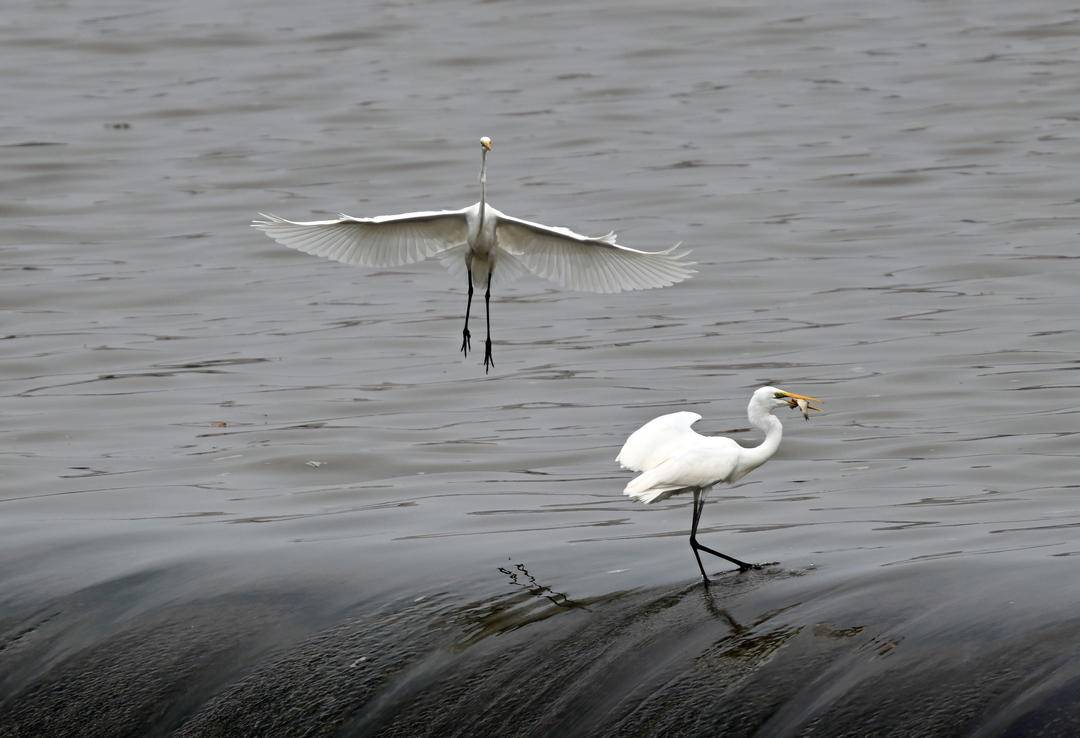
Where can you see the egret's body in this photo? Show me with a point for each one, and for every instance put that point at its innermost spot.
(486, 242)
(673, 458)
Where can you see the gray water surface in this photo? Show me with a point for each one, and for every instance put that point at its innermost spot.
(217, 452)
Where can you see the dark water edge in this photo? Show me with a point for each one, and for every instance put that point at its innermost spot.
(957, 648)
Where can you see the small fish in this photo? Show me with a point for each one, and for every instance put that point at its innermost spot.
(804, 406)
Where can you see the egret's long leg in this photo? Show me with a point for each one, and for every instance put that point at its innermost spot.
(743, 566)
(488, 361)
(466, 343)
(699, 506)
(693, 534)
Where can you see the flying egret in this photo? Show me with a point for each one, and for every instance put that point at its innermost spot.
(675, 459)
(481, 238)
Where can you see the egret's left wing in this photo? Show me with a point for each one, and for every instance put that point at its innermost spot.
(382, 241)
(588, 264)
(658, 440)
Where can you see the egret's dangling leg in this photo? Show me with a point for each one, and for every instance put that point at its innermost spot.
(466, 343)
(488, 361)
(699, 506)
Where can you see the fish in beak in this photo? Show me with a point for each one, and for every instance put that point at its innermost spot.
(802, 402)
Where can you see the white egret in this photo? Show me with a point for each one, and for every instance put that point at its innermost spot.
(481, 238)
(675, 459)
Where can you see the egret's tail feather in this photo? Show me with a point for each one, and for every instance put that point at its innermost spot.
(650, 496)
(507, 268)
(648, 489)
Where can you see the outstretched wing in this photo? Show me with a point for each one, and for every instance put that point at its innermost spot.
(383, 241)
(587, 264)
(658, 440)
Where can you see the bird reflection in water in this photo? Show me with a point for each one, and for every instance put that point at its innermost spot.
(721, 613)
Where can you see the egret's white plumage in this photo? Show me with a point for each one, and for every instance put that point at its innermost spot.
(673, 458)
(486, 242)
(569, 259)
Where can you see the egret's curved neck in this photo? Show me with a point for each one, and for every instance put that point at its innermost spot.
(765, 421)
(483, 181)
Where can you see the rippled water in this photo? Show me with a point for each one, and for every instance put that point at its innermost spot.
(243, 479)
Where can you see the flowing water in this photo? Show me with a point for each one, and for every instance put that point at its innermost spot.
(248, 491)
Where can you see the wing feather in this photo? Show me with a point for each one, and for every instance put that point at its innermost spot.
(698, 466)
(383, 241)
(658, 440)
(589, 264)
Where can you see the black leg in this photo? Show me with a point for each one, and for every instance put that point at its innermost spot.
(693, 535)
(699, 506)
(488, 361)
(466, 344)
(743, 566)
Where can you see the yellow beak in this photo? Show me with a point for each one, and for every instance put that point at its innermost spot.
(795, 396)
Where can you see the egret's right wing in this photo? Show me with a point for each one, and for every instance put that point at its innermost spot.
(589, 264)
(383, 241)
(658, 440)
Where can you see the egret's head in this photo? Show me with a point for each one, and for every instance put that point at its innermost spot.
(486, 143)
(774, 398)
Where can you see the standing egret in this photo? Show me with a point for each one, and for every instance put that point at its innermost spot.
(480, 238)
(675, 459)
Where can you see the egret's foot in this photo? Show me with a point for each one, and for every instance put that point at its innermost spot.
(488, 361)
(466, 342)
(757, 567)
(743, 565)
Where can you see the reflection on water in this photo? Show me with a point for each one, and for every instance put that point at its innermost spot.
(777, 652)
